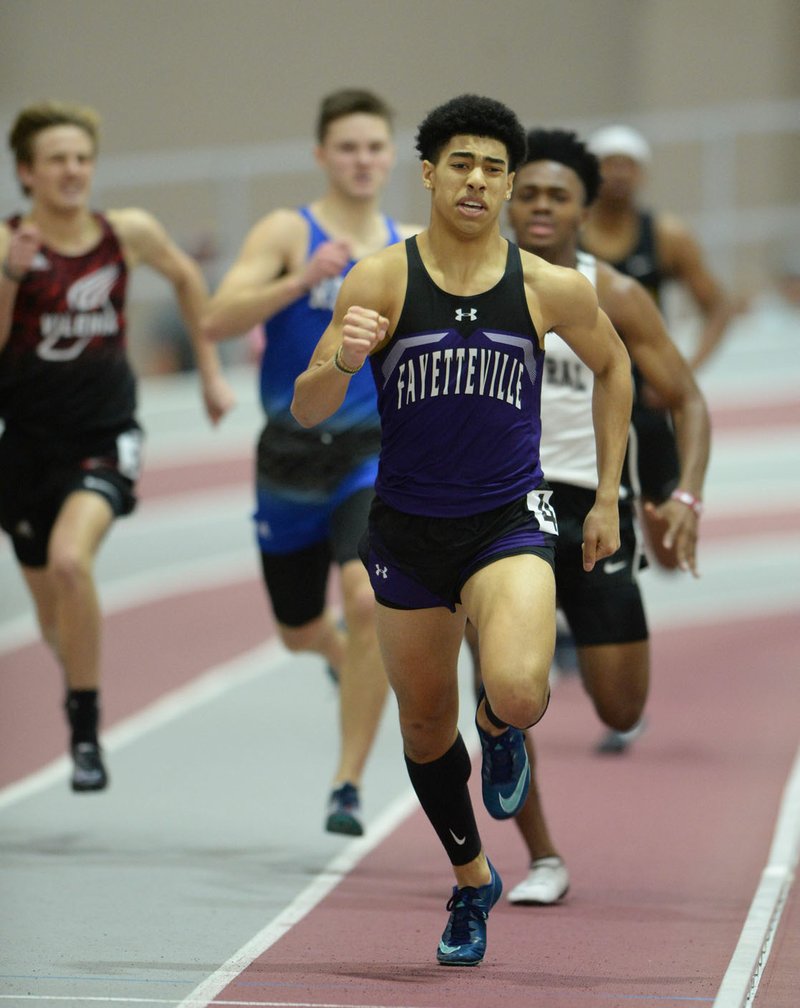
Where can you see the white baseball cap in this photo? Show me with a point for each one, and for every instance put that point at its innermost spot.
(624, 140)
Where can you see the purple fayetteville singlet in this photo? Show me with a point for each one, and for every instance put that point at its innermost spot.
(459, 386)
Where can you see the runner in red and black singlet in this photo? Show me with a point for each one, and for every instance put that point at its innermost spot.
(70, 448)
(64, 373)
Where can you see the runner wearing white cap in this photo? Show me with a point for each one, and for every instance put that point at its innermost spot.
(653, 247)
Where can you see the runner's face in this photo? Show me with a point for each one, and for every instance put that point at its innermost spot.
(357, 154)
(622, 177)
(61, 169)
(470, 181)
(547, 209)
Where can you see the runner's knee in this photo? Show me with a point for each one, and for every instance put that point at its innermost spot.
(520, 703)
(619, 712)
(309, 636)
(69, 565)
(359, 606)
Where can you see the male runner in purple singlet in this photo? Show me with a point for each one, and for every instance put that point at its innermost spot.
(453, 324)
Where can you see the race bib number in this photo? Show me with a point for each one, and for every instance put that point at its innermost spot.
(129, 454)
(324, 294)
(539, 504)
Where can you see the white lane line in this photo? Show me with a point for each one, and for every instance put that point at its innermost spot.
(264, 660)
(740, 983)
(77, 999)
(327, 880)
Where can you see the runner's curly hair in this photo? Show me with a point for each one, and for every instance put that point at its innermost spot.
(472, 115)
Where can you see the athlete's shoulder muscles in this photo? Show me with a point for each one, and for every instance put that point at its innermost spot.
(140, 233)
(377, 281)
(679, 250)
(275, 243)
(626, 302)
(566, 298)
(281, 229)
(145, 241)
(132, 223)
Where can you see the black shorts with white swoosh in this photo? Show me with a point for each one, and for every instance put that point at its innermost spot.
(602, 606)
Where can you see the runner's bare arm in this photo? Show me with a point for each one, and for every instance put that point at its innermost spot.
(146, 241)
(665, 371)
(16, 254)
(354, 331)
(570, 306)
(270, 272)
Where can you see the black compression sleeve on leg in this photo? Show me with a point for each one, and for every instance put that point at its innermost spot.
(441, 787)
(83, 713)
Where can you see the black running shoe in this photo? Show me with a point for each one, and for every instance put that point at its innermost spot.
(88, 773)
(344, 811)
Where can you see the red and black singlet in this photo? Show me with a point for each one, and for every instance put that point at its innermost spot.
(64, 371)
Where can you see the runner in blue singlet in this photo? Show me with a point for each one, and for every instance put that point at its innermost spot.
(313, 489)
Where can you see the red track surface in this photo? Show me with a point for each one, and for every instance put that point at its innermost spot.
(665, 845)
(149, 650)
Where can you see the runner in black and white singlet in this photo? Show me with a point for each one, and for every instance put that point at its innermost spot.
(70, 451)
(654, 248)
(603, 606)
(462, 524)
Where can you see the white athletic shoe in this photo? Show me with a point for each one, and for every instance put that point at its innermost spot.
(614, 742)
(547, 882)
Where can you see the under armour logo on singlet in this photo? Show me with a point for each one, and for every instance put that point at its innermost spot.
(381, 571)
(470, 314)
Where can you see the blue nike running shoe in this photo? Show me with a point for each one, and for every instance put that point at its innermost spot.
(463, 942)
(505, 773)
